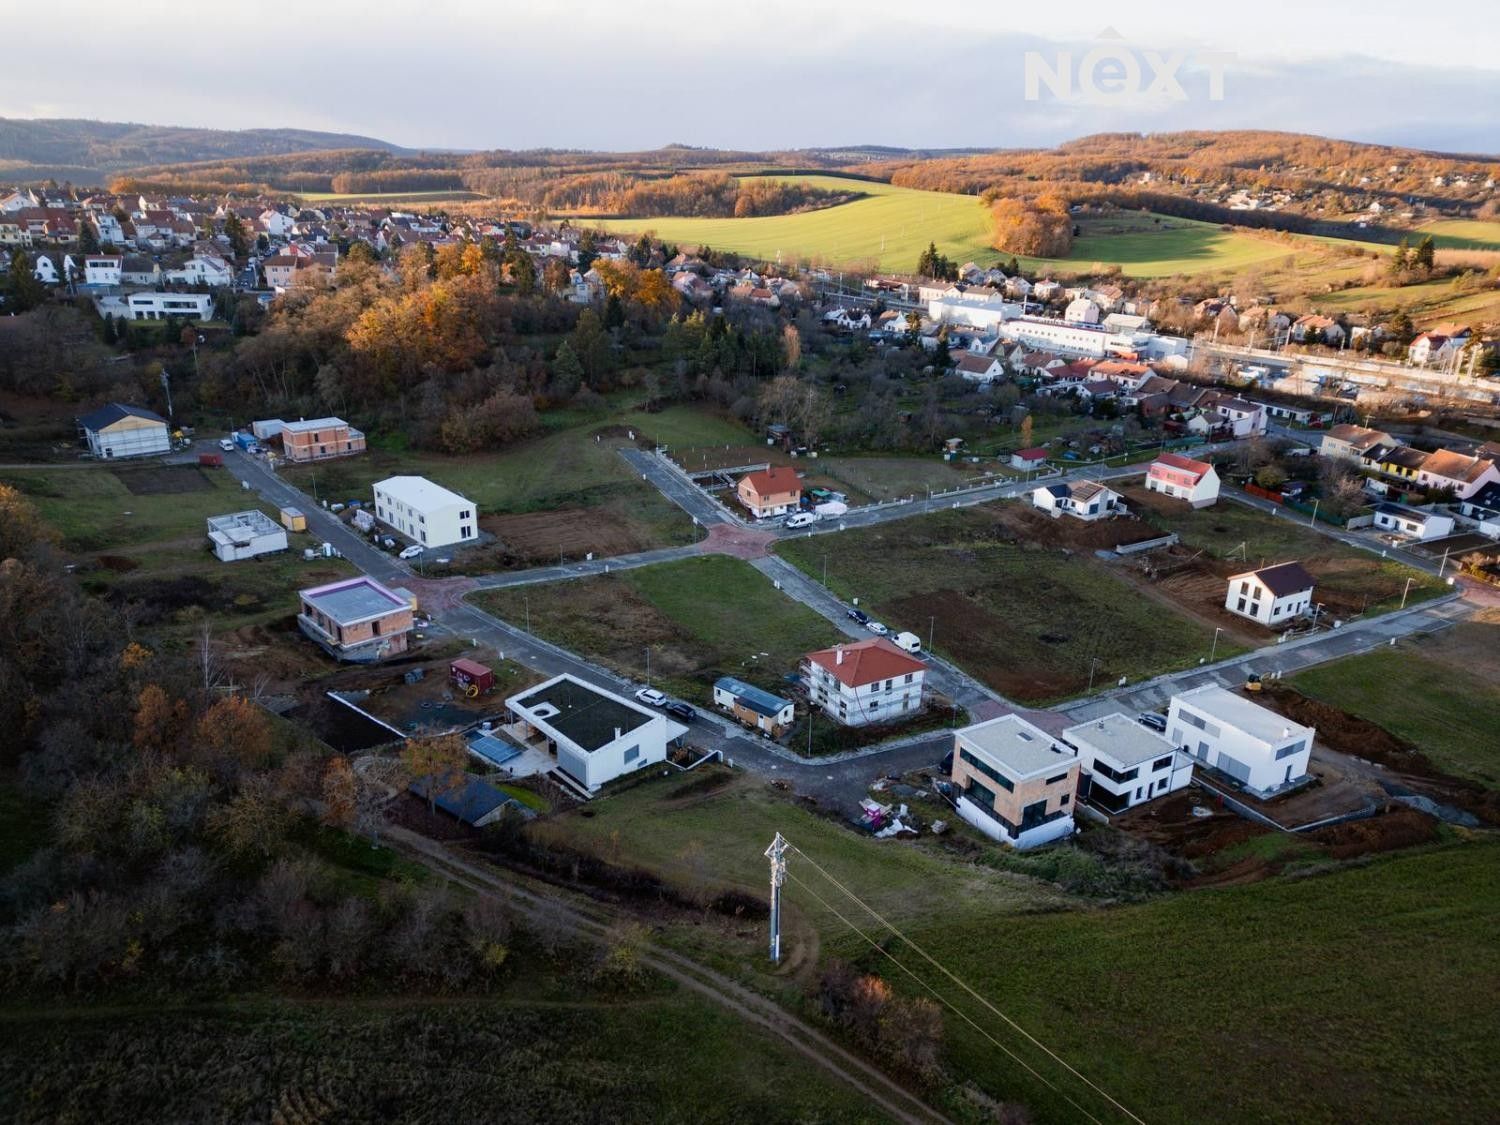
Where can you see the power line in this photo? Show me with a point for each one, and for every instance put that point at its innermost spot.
(961, 984)
(942, 999)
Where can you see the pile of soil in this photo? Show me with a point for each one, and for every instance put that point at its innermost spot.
(1399, 827)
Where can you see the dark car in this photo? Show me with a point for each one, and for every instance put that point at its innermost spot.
(859, 616)
(681, 711)
(1153, 719)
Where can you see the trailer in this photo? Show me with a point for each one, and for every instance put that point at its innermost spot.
(293, 520)
(246, 441)
(211, 460)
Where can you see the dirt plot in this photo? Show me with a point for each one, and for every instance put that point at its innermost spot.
(861, 479)
(539, 537)
(1456, 546)
(163, 479)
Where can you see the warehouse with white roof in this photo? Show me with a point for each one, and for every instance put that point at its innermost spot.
(426, 513)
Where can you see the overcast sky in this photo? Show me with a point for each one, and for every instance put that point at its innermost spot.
(762, 74)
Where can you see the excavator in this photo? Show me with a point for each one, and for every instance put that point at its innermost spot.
(1252, 682)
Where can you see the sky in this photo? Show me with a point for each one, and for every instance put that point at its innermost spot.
(767, 74)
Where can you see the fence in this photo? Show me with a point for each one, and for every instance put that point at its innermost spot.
(1146, 545)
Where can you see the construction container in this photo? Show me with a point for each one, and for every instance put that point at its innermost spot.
(293, 520)
(213, 460)
(470, 677)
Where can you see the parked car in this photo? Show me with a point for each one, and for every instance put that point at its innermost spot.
(679, 710)
(651, 696)
(908, 641)
(877, 628)
(802, 519)
(859, 616)
(412, 552)
(226, 444)
(1153, 719)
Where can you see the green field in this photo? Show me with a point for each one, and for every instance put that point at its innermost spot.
(891, 226)
(1447, 702)
(1461, 234)
(702, 618)
(1286, 1000)
(1028, 621)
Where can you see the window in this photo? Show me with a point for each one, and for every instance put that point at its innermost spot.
(1193, 720)
(1161, 764)
(1063, 801)
(1055, 780)
(909, 677)
(1117, 776)
(1294, 748)
(633, 753)
(988, 770)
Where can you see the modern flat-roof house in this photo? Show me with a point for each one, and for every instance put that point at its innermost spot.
(102, 269)
(1272, 595)
(357, 619)
(866, 682)
(1263, 751)
(243, 535)
(320, 438)
(1016, 783)
(426, 513)
(1124, 763)
(770, 492)
(1413, 523)
(596, 735)
(169, 306)
(119, 430)
(1172, 474)
(754, 706)
(1083, 499)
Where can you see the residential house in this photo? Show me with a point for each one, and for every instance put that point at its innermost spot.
(596, 735)
(754, 706)
(1460, 473)
(1272, 595)
(468, 799)
(1396, 460)
(1323, 329)
(773, 491)
(865, 682)
(1125, 764)
(119, 430)
(1084, 500)
(203, 269)
(1484, 509)
(1172, 474)
(13, 231)
(1081, 310)
(169, 306)
(1349, 443)
(244, 535)
(356, 619)
(1014, 782)
(1413, 523)
(427, 513)
(1243, 417)
(320, 438)
(1029, 460)
(137, 269)
(983, 369)
(46, 270)
(102, 269)
(1262, 751)
(1439, 344)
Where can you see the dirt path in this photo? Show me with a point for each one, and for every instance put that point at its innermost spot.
(891, 1098)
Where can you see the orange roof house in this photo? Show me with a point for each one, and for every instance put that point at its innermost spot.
(770, 492)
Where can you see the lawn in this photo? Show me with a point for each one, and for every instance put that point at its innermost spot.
(1026, 620)
(891, 226)
(701, 618)
(1461, 234)
(1434, 691)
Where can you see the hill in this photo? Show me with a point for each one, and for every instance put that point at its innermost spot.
(102, 147)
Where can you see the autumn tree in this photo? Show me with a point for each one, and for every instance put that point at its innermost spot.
(791, 346)
(235, 730)
(437, 762)
(1026, 432)
(340, 792)
(1040, 228)
(159, 720)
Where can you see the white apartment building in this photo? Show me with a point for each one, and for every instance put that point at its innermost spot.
(864, 683)
(1260, 749)
(426, 513)
(1124, 763)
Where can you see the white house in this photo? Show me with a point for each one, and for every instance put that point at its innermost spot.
(1014, 782)
(1462, 473)
(984, 369)
(118, 430)
(596, 735)
(203, 269)
(1260, 749)
(44, 269)
(168, 306)
(863, 683)
(1172, 474)
(1029, 460)
(1347, 442)
(1124, 763)
(983, 312)
(1243, 417)
(1084, 500)
(102, 269)
(1081, 310)
(1272, 595)
(243, 535)
(1484, 509)
(427, 513)
(1413, 523)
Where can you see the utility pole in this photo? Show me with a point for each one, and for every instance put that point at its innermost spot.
(931, 623)
(776, 853)
(1405, 592)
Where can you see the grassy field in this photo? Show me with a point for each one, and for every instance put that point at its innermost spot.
(1447, 700)
(1461, 234)
(393, 198)
(1026, 620)
(1286, 1000)
(892, 225)
(701, 618)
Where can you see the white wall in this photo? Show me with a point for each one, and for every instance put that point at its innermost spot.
(436, 527)
(1268, 610)
(1033, 838)
(1248, 759)
(140, 441)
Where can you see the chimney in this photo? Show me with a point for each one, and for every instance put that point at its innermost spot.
(617, 734)
(838, 655)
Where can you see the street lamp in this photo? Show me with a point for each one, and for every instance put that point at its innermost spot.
(1313, 520)
(1214, 648)
(1405, 592)
(1093, 667)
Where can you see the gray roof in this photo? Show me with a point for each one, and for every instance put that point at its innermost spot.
(1016, 746)
(108, 415)
(1120, 739)
(357, 599)
(1255, 720)
(757, 700)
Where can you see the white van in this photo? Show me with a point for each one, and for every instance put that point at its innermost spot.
(909, 641)
(801, 519)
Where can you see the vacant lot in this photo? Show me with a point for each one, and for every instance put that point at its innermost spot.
(861, 479)
(701, 619)
(892, 225)
(1016, 599)
(578, 492)
(1440, 693)
(1230, 538)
